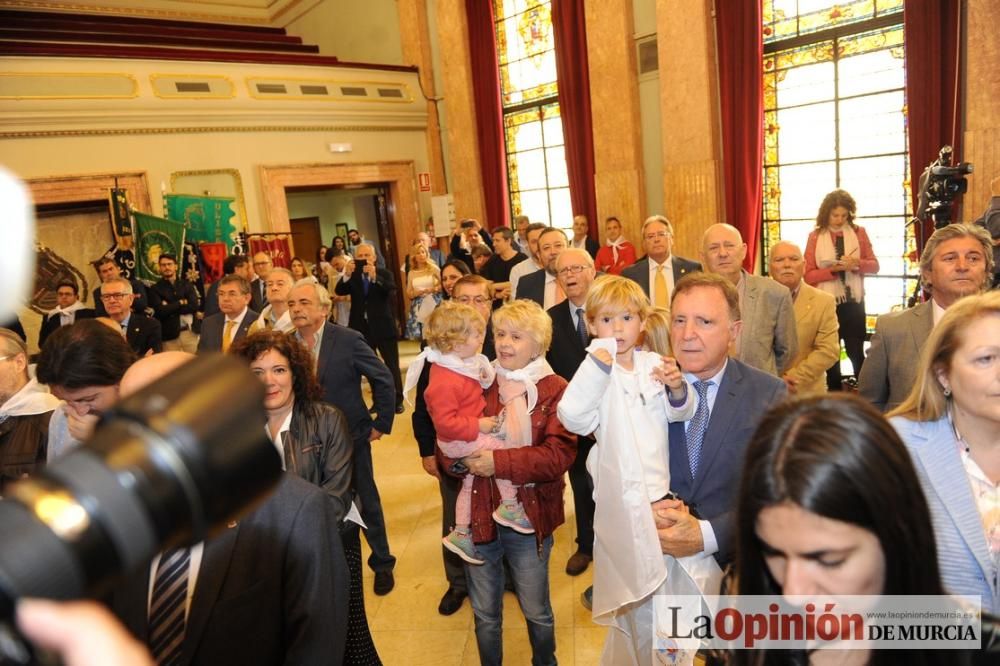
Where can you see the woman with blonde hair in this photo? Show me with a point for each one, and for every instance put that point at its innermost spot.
(656, 337)
(423, 288)
(524, 398)
(950, 423)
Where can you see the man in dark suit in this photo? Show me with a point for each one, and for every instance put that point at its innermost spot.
(270, 589)
(542, 286)
(575, 272)
(69, 310)
(474, 291)
(143, 333)
(233, 320)
(234, 264)
(581, 239)
(372, 292)
(262, 265)
(706, 453)
(660, 270)
(108, 269)
(342, 358)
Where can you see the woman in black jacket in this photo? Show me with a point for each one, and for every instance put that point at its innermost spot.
(314, 441)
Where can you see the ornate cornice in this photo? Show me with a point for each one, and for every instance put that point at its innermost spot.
(46, 134)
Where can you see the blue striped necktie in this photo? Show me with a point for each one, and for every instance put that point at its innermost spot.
(698, 427)
(167, 609)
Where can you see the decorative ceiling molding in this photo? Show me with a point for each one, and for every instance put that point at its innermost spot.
(247, 12)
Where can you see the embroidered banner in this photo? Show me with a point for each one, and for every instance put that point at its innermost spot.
(275, 246)
(207, 219)
(156, 236)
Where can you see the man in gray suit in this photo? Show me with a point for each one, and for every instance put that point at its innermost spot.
(270, 589)
(706, 453)
(957, 261)
(768, 340)
(233, 319)
(660, 270)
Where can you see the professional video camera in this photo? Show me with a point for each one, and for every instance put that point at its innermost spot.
(940, 183)
(167, 467)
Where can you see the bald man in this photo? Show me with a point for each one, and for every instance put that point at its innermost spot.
(815, 323)
(278, 576)
(768, 340)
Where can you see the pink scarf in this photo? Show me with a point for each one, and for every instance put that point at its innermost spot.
(517, 390)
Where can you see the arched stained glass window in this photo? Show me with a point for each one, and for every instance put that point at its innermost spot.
(835, 116)
(536, 162)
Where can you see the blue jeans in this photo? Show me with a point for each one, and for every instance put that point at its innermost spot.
(530, 571)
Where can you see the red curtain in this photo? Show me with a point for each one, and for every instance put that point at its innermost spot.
(489, 114)
(933, 47)
(740, 45)
(573, 70)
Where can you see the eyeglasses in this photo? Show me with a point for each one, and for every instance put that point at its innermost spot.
(469, 300)
(657, 234)
(114, 297)
(575, 270)
(262, 263)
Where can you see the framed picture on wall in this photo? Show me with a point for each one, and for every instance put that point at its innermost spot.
(342, 230)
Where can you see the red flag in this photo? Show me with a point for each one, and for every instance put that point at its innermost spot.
(274, 246)
(213, 255)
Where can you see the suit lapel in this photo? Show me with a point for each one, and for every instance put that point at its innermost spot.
(325, 350)
(726, 401)
(921, 330)
(948, 478)
(215, 560)
(679, 270)
(131, 603)
(644, 275)
(748, 307)
(566, 323)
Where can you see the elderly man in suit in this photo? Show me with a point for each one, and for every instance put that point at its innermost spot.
(706, 453)
(108, 269)
(957, 261)
(372, 291)
(541, 286)
(234, 318)
(661, 269)
(575, 273)
(270, 589)
(342, 358)
(143, 334)
(581, 236)
(262, 265)
(815, 322)
(767, 340)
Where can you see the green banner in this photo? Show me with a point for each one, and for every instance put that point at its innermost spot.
(156, 236)
(207, 219)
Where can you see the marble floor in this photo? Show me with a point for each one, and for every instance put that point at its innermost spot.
(405, 623)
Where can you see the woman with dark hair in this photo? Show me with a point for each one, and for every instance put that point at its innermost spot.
(299, 270)
(82, 365)
(339, 246)
(451, 273)
(314, 441)
(830, 504)
(950, 422)
(320, 269)
(838, 256)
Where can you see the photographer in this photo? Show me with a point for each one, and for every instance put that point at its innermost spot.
(467, 236)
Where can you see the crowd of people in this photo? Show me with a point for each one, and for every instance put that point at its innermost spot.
(686, 400)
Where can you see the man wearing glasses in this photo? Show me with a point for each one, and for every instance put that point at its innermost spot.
(262, 265)
(659, 271)
(108, 269)
(143, 334)
(575, 273)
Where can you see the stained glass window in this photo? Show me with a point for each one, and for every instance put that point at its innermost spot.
(536, 162)
(835, 117)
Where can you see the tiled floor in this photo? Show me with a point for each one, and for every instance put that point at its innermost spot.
(405, 623)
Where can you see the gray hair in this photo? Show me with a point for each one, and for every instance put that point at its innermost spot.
(12, 343)
(322, 295)
(126, 285)
(951, 232)
(662, 219)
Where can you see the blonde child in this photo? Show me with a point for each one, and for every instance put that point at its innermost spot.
(455, 402)
(656, 337)
(626, 397)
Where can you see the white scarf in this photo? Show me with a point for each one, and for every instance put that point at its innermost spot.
(477, 367)
(283, 325)
(530, 374)
(614, 245)
(33, 398)
(66, 314)
(826, 254)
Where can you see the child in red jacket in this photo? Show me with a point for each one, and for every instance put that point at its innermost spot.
(454, 397)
